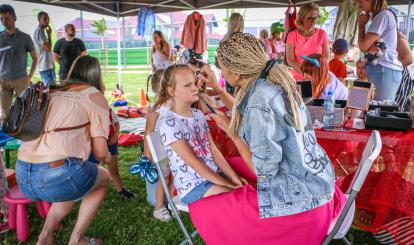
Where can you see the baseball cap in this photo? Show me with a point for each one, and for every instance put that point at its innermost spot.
(340, 45)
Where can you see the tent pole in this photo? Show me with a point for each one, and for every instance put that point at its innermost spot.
(118, 31)
(124, 42)
(407, 31)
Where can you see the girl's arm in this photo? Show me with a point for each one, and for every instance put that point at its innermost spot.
(166, 51)
(114, 139)
(185, 152)
(149, 128)
(222, 163)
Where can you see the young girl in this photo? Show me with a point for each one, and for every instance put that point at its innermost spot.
(77, 74)
(153, 124)
(315, 68)
(195, 161)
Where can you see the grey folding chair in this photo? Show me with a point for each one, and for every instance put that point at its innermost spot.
(339, 227)
(160, 157)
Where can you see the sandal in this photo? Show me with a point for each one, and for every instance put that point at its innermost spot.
(162, 214)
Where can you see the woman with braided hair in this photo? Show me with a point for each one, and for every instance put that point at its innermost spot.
(293, 198)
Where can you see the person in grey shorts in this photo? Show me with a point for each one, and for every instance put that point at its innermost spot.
(14, 46)
(42, 41)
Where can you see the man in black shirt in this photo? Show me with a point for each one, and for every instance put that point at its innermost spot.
(67, 49)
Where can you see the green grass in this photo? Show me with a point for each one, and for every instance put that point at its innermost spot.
(121, 221)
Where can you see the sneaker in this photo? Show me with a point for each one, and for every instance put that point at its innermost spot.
(4, 227)
(126, 193)
(162, 214)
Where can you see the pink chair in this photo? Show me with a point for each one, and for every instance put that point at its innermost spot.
(18, 214)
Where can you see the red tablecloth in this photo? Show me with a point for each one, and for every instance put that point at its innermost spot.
(386, 200)
(223, 142)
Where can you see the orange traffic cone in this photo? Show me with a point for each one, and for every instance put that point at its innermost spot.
(143, 100)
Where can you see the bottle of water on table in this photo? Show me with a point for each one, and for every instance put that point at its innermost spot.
(329, 111)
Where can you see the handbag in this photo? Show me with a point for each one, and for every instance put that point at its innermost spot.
(26, 117)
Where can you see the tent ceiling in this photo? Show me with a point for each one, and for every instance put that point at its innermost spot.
(130, 7)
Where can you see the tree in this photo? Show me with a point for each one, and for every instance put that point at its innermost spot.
(100, 28)
(323, 16)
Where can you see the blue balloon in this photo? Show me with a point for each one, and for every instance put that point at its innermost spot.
(146, 170)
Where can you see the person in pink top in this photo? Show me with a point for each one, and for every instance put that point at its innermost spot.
(276, 42)
(306, 39)
(264, 37)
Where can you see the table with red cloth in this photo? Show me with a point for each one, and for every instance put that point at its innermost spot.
(385, 202)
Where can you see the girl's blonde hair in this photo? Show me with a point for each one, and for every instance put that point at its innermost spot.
(236, 24)
(320, 77)
(168, 81)
(305, 11)
(264, 34)
(244, 55)
(378, 6)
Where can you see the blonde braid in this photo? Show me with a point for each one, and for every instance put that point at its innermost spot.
(244, 55)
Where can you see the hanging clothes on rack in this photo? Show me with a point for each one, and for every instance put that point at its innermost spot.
(194, 35)
(347, 21)
(145, 21)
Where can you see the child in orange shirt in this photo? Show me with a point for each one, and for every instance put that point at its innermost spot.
(336, 66)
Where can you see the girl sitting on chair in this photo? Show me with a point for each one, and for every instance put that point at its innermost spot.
(194, 159)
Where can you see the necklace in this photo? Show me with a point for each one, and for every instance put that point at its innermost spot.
(306, 33)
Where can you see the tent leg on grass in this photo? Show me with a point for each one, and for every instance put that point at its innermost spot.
(118, 31)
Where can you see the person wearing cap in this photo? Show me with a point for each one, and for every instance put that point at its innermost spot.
(336, 65)
(276, 42)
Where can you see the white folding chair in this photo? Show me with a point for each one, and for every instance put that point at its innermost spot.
(160, 157)
(340, 226)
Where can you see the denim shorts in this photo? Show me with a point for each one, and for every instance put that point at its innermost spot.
(48, 76)
(386, 81)
(71, 181)
(113, 149)
(198, 192)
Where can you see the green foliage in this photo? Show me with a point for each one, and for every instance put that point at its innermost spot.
(100, 27)
(323, 16)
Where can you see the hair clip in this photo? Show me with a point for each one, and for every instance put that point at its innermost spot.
(313, 61)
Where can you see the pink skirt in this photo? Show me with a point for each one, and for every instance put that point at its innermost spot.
(233, 217)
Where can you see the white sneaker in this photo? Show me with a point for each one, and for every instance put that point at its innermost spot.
(162, 214)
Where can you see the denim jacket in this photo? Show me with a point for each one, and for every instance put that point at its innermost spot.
(294, 174)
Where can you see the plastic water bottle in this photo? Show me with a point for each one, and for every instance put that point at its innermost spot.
(329, 115)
